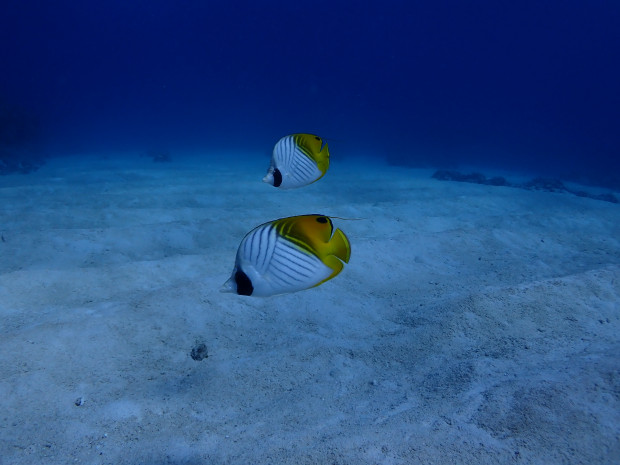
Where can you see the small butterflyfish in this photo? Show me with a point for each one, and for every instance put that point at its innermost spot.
(297, 160)
(288, 255)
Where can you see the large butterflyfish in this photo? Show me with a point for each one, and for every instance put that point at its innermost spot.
(288, 255)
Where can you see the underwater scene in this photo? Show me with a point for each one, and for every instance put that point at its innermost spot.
(323, 232)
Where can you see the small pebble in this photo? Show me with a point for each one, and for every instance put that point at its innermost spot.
(199, 352)
(79, 401)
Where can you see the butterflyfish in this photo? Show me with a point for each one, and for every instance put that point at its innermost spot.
(288, 255)
(297, 160)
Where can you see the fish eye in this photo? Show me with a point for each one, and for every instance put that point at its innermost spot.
(322, 219)
(317, 138)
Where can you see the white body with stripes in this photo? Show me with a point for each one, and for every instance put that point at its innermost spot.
(296, 168)
(275, 265)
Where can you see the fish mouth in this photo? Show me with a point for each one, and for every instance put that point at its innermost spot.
(268, 178)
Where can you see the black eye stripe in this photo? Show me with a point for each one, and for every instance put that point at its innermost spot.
(322, 219)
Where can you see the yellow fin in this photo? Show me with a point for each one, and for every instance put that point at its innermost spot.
(335, 264)
(322, 160)
(339, 246)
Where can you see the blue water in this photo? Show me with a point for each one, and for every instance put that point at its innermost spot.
(528, 85)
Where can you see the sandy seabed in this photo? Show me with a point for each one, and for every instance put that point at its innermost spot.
(473, 325)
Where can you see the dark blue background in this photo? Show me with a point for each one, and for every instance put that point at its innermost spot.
(513, 84)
